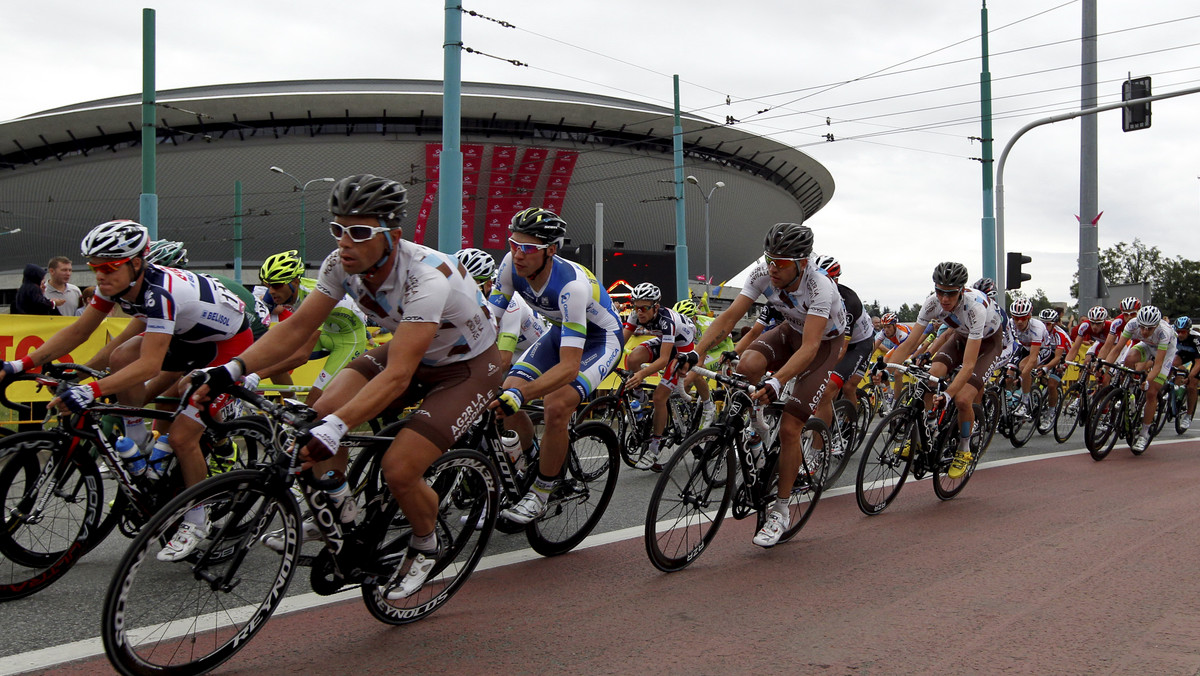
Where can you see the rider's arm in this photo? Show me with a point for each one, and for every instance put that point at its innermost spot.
(752, 335)
(299, 358)
(283, 343)
(69, 337)
(1058, 357)
(1031, 359)
(664, 358)
(147, 365)
(100, 359)
(724, 323)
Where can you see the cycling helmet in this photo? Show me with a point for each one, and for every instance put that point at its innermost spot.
(368, 195)
(1148, 316)
(830, 265)
(1020, 307)
(479, 264)
(541, 223)
(168, 253)
(646, 291)
(1130, 304)
(789, 240)
(115, 239)
(1098, 313)
(687, 308)
(281, 268)
(1049, 315)
(986, 285)
(950, 274)
(1183, 323)
(890, 318)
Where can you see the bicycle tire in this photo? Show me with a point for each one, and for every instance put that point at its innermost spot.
(468, 502)
(806, 492)
(1043, 402)
(989, 406)
(847, 423)
(36, 554)
(141, 635)
(884, 467)
(1104, 421)
(1020, 430)
(1065, 422)
(1160, 414)
(1180, 412)
(576, 506)
(608, 410)
(680, 519)
(947, 488)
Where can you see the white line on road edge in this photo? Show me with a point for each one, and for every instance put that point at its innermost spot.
(45, 658)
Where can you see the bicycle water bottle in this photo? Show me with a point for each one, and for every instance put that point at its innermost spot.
(757, 452)
(341, 498)
(635, 406)
(511, 442)
(132, 455)
(160, 457)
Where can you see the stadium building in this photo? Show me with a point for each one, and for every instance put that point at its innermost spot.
(65, 170)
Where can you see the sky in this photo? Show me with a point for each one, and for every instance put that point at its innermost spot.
(895, 83)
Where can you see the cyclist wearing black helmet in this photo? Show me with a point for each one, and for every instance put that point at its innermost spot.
(566, 363)
(805, 347)
(442, 354)
(976, 330)
(1187, 355)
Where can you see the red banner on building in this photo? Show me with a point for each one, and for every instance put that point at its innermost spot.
(472, 165)
(433, 158)
(499, 197)
(560, 179)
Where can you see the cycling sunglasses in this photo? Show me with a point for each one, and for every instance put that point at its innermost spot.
(521, 247)
(358, 233)
(109, 267)
(947, 292)
(780, 262)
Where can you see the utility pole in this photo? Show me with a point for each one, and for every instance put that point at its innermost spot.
(988, 224)
(1089, 240)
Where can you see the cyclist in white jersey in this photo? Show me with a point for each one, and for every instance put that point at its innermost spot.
(805, 346)
(976, 330)
(518, 325)
(443, 354)
(568, 361)
(186, 320)
(1052, 359)
(672, 335)
(1031, 335)
(1153, 351)
(1115, 348)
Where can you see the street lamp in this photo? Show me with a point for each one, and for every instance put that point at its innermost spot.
(302, 187)
(707, 198)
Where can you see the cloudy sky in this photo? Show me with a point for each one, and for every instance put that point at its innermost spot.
(895, 83)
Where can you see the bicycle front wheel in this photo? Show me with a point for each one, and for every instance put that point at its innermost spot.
(468, 502)
(885, 462)
(1067, 414)
(689, 500)
(947, 487)
(191, 615)
(587, 485)
(1021, 428)
(1104, 424)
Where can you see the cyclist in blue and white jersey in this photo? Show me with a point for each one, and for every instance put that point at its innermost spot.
(1187, 355)
(805, 346)
(1031, 335)
(568, 361)
(518, 326)
(1153, 351)
(672, 335)
(975, 343)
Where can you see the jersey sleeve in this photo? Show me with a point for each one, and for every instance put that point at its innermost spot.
(331, 278)
(510, 328)
(502, 290)
(931, 309)
(756, 283)
(573, 300)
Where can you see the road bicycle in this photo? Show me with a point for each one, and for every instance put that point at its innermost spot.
(1007, 388)
(56, 507)
(1073, 402)
(1116, 412)
(914, 441)
(1172, 402)
(714, 472)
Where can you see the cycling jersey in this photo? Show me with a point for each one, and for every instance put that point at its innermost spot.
(1034, 333)
(519, 325)
(1188, 349)
(889, 344)
(344, 319)
(1091, 331)
(974, 317)
(859, 323)
(1115, 326)
(257, 312)
(1058, 339)
(668, 326)
(1163, 336)
(422, 286)
(816, 294)
(702, 323)
(193, 308)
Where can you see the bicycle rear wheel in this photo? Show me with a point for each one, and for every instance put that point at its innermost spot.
(689, 500)
(847, 424)
(1067, 414)
(946, 487)
(587, 485)
(189, 616)
(1104, 423)
(806, 491)
(40, 543)
(885, 462)
(989, 408)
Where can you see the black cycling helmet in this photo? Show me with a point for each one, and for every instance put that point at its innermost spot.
(950, 274)
(788, 240)
(986, 285)
(368, 195)
(541, 223)
(1183, 323)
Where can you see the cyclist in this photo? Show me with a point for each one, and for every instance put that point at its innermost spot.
(976, 341)
(1031, 335)
(443, 355)
(1091, 331)
(1187, 355)
(518, 325)
(1051, 358)
(343, 334)
(889, 338)
(180, 321)
(1128, 311)
(1153, 351)
(567, 362)
(687, 308)
(671, 334)
(804, 346)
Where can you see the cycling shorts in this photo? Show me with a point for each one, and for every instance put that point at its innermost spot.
(856, 359)
(601, 351)
(778, 346)
(1146, 353)
(989, 359)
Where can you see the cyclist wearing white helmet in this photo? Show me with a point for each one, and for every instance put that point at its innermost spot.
(1092, 332)
(1052, 358)
(1031, 335)
(518, 326)
(1114, 348)
(671, 335)
(1153, 351)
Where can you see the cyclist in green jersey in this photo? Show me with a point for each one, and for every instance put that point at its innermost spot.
(687, 307)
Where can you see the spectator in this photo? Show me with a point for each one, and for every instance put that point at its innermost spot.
(59, 289)
(30, 299)
(85, 298)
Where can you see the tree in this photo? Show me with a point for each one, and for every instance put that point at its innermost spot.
(1128, 264)
(908, 313)
(1177, 291)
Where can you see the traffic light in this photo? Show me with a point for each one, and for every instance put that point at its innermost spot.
(1013, 274)
(1135, 117)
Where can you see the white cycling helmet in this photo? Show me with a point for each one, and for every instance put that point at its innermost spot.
(115, 239)
(479, 264)
(646, 291)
